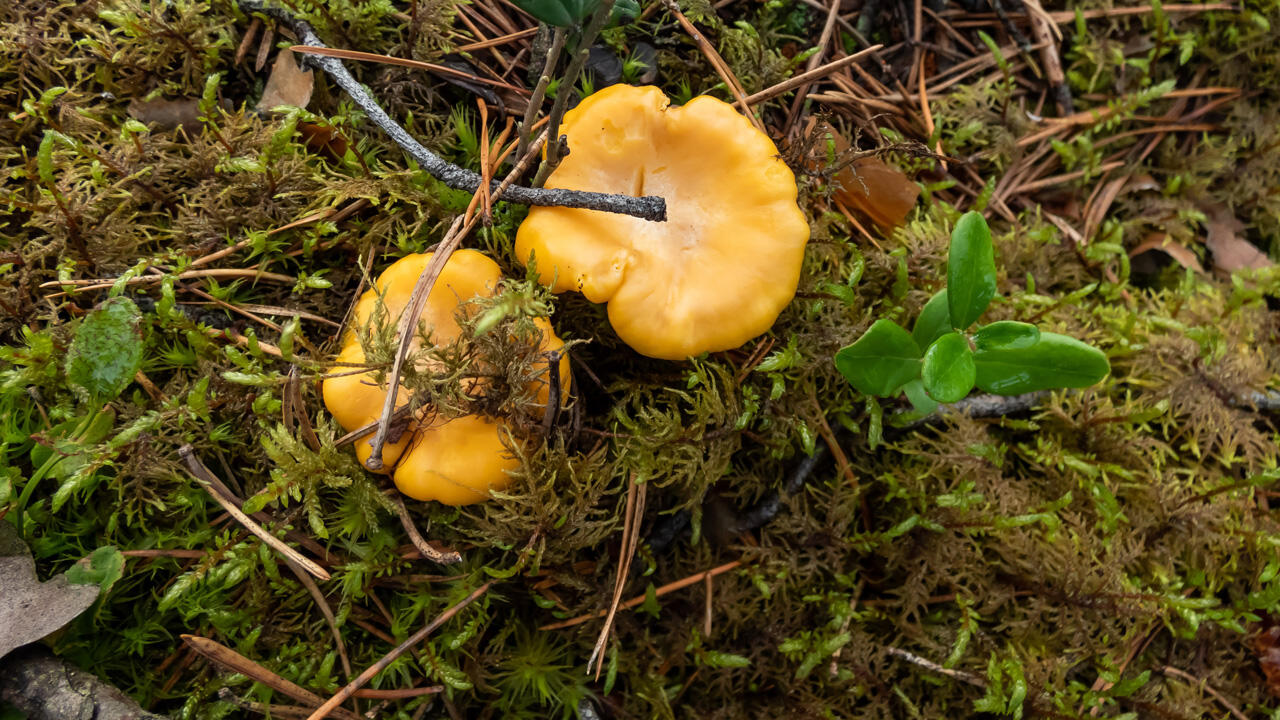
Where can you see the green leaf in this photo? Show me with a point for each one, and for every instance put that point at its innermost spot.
(934, 320)
(561, 13)
(103, 568)
(107, 349)
(884, 359)
(948, 371)
(1006, 335)
(1056, 361)
(920, 399)
(971, 271)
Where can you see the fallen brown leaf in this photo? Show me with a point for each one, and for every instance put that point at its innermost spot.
(1230, 251)
(871, 186)
(1160, 241)
(30, 609)
(287, 85)
(167, 114)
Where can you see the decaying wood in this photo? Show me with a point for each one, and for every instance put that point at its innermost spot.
(46, 688)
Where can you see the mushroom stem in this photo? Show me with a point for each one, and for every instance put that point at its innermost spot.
(646, 208)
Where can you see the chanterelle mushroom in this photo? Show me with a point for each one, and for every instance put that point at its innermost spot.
(455, 461)
(725, 263)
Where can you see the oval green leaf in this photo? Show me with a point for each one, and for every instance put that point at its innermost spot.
(948, 371)
(881, 361)
(1056, 361)
(934, 320)
(1006, 334)
(920, 400)
(106, 351)
(971, 270)
(561, 13)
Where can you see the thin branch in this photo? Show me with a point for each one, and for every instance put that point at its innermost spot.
(419, 542)
(647, 208)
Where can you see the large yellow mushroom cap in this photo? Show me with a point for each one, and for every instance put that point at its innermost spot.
(455, 461)
(724, 264)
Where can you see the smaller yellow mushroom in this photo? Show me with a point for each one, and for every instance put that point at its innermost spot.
(455, 461)
(724, 264)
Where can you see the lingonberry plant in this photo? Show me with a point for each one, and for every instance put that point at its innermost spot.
(946, 354)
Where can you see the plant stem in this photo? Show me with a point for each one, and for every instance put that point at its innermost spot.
(555, 149)
(29, 489)
(540, 92)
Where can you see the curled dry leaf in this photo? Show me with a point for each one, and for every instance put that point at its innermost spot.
(1162, 242)
(1266, 644)
(287, 85)
(30, 609)
(1231, 252)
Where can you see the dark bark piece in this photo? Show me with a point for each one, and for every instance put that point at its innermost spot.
(45, 688)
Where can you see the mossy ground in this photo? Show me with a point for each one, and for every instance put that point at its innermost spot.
(1082, 559)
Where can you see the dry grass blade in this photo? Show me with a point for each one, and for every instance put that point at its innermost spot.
(630, 539)
(97, 283)
(235, 662)
(219, 492)
(350, 688)
(637, 601)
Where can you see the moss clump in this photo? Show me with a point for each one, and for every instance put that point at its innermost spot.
(1056, 561)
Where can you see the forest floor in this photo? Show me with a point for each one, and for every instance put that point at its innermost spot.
(741, 534)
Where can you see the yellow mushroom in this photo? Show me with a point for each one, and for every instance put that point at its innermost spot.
(455, 461)
(720, 269)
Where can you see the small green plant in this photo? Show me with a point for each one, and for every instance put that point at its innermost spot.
(940, 361)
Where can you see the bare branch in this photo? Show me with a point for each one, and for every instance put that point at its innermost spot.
(647, 208)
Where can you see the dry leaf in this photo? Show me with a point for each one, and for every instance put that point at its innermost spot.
(1160, 241)
(872, 187)
(1230, 251)
(30, 609)
(167, 114)
(288, 84)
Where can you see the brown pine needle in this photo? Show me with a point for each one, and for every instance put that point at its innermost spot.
(630, 539)
(806, 77)
(403, 62)
(639, 600)
(418, 300)
(235, 662)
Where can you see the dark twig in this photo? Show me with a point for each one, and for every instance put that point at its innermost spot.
(647, 208)
(981, 406)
